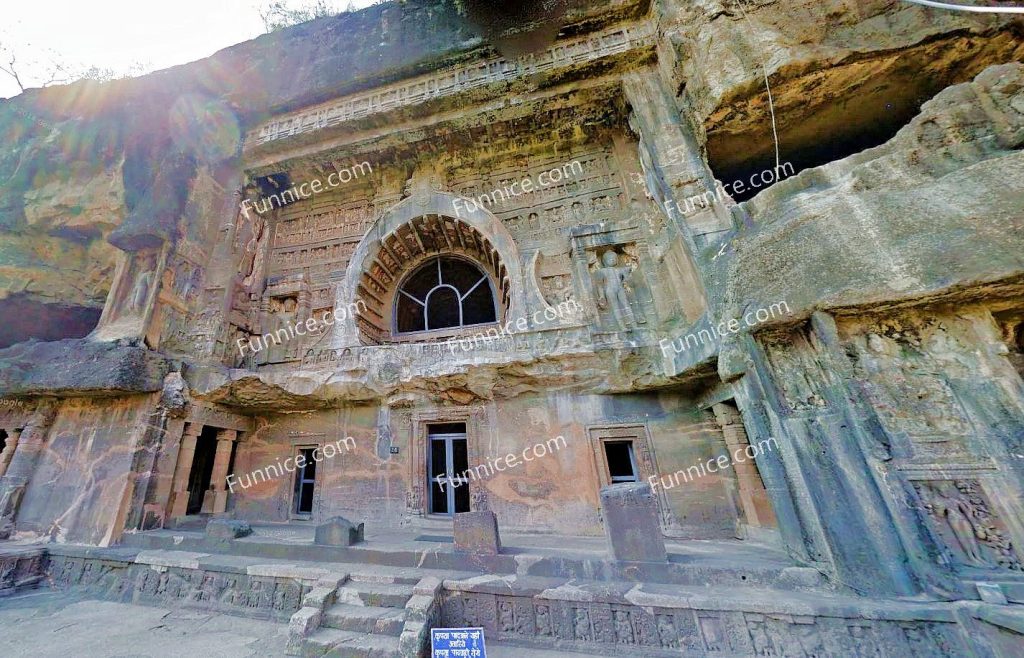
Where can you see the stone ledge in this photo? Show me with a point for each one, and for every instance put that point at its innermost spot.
(80, 368)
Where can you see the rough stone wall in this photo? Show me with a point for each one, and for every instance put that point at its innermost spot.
(833, 69)
(80, 490)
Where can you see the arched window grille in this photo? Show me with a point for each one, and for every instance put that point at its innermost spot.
(443, 293)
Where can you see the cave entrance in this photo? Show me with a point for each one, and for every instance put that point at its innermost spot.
(448, 467)
(201, 473)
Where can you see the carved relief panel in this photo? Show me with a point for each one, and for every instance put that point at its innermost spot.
(618, 287)
(618, 626)
(131, 299)
(962, 516)
(586, 188)
(320, 241)
(181, 282)
(613, 263)
(908, 374)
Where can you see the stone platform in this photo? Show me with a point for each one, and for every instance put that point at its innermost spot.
(693, 562)
(380, 598)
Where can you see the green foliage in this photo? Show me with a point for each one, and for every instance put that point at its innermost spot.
(284, 13)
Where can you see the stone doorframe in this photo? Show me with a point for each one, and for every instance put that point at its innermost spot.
(297, 440)
(180, 451)
(754, 504)
(473, 417)
(646, 462)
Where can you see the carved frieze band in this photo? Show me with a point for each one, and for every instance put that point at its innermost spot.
(666, 631)
(453, 81)
(231, 593)
(19, 570)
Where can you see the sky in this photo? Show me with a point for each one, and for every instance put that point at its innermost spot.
(123, 34)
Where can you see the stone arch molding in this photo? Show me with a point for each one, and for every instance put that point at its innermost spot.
(415, 222)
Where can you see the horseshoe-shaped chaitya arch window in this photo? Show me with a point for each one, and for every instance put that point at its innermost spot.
(429, 278)
(444, 293)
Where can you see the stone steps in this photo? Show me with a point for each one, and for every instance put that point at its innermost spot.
(365, 619)
(387, 578)
(334, 643)
(382, 595)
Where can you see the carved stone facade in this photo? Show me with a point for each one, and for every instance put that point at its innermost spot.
(864, 316)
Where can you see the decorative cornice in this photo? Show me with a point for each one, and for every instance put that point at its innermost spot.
(456, 80)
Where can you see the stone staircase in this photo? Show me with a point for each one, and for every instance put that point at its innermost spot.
(367, 614)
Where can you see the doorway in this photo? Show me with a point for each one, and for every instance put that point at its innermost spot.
(202, 469)
(447, 466)
(305, 484)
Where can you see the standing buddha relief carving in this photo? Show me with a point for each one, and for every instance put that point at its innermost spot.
(613, 289)
(282, 314)
(134, 288)
(968, 525)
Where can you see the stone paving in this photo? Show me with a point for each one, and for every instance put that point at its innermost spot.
(58, 625)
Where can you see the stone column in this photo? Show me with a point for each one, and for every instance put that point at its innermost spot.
(22, 465)
(753, 498)
(158, 502)
(178, 504)
(670, 147)
(8, 453)
(215, 500)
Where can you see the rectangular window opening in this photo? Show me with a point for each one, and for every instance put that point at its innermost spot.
(621, 461)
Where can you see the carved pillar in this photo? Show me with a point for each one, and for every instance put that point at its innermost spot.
(12, 443)
(166, 468)
(678, 171)
(216, 498)
(753, 498)
(830, 450)
(22, 464)
(178, 504)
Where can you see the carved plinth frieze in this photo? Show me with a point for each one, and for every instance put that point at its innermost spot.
(547, 622)
(215, 591)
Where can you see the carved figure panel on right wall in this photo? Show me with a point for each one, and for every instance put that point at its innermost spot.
(968, 525)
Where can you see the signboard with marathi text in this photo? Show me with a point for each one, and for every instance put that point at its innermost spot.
(457, 643)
